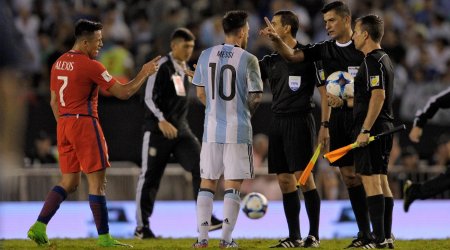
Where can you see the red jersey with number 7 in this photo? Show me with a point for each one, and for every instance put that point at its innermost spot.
(75, 79)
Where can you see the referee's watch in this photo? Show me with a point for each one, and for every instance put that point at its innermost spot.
(365, 131)
(325, 124)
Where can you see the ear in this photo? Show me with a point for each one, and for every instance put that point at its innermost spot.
(287, 28)
(366, 35)
(241, 32)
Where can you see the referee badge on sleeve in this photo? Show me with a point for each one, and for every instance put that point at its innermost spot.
(374, 81)
(295, 82)
(322, 75)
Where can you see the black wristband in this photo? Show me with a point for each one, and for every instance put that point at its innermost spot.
(325, 124)
(365, 131)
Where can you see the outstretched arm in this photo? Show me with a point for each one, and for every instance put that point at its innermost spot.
(436, 102)
(125, 91)
(282, 48)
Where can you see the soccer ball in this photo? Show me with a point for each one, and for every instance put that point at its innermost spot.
(340, 84)
(254, 205)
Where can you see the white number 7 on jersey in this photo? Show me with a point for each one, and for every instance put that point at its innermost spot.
(65, 80)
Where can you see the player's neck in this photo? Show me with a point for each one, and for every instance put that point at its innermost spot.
(79, 48)
(177, 58)
(233, 40)
(345, 37)
(369, 47)
(290, 41)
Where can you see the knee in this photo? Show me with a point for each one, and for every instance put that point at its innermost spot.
(351, 180)
(286, 185)
(98, 188)
(69, 186)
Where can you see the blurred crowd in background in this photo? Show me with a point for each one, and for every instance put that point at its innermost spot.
(417, 38)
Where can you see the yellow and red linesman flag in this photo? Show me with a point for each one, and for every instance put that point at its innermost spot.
(310, 166)
(340, 152)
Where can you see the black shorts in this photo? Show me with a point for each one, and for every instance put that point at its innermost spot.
(341, 134)
(291, 142)
(374, 158)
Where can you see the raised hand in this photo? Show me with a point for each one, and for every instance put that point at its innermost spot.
(151, 67)
(269, 31)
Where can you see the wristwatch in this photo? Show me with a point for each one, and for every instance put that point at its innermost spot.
(365, 131)
(325, 124)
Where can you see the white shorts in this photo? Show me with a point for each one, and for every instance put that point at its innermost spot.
(234, 161)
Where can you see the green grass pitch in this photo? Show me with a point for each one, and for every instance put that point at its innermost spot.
(213, 244)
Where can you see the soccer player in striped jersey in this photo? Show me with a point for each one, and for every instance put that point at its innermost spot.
(75, 81)
(229, 84)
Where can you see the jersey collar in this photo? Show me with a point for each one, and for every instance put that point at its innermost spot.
(344, 44)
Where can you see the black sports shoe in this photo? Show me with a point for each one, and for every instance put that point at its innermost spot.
(143, 233)
(216, 224)
(373, 245)
(288, 243)
(360, 241)
(407, 195)
(390, 242)
(311, 242)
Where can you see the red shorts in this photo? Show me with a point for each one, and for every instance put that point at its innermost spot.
(81, 145)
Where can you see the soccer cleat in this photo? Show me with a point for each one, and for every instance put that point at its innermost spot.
(407, 197)
(215, 223)
(288, 243)
(390, 242)
(373, 245)
(37, 233)
(359, 241)
(143, 233)
(311, 242)
(224, 244)
(200, 244)
(105, 240)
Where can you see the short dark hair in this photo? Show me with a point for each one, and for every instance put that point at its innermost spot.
(374, 25)
(338, 6)
(84, 27)
(289, 18)
(234, 20)
(182, 33)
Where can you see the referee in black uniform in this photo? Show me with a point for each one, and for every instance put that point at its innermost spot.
(167, 130)
(441, 183)
(292, 131)
(373, 114)
(338, 54)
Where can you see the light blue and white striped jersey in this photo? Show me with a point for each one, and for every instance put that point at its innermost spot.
(228, 74)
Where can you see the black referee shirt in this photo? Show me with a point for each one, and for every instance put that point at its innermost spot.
(161, 99)
(292, 84)
(376, 72)
(335, 56)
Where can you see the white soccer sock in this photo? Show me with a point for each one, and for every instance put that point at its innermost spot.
(204, 212)
(231, 205)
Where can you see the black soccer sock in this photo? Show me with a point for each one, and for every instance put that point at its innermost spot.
(376, 211)
(291, 205)
(388, 208)
(312, 204)
(358, 200)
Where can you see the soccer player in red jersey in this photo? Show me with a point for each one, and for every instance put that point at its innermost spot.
(75, 80)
